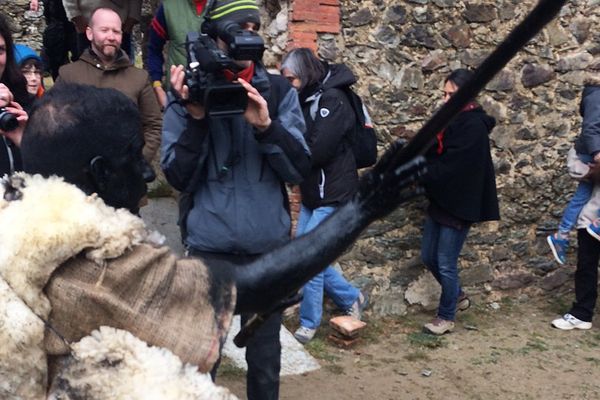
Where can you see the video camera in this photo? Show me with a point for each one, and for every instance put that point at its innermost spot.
(206, 62)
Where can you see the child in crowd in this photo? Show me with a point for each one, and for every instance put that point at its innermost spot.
(587, 147)
(32, 69)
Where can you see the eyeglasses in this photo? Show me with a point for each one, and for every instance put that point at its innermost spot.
(31, 72)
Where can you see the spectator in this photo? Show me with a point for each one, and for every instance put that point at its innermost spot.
(461, 188)
(333, 179)
(581, 312)
(13, 97)
(587, 147)
(32, 69)
(171, 23)
(232, 171)
(105, 65)
(80, 13)
(59, 37)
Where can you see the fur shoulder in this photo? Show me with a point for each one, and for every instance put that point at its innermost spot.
(47, 221)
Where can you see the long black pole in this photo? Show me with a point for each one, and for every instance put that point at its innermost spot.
(280, 273)
(542, 14)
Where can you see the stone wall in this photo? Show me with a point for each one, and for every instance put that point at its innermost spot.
(402, 51)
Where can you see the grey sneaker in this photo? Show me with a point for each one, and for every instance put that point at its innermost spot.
(438, 326)
(463, 303)
(355, 311)
(304, 335)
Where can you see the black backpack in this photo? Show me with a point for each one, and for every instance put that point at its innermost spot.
(363, 138)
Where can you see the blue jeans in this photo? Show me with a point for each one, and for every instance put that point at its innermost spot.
(440, 248)
(329, 281)
(580, 198)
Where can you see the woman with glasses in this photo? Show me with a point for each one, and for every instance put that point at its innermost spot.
(32, 69)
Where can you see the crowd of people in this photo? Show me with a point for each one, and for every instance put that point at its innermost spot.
(231, 171)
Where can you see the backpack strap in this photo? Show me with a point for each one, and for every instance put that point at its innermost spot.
(314, 105)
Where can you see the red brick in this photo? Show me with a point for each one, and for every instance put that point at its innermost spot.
(342, 342)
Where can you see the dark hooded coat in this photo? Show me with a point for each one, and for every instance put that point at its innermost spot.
(333, 179)
(461, 180)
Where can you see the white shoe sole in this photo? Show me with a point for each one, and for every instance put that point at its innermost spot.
(549, 240)
(592, 233)
(565, 326)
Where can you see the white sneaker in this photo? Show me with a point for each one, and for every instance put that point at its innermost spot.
(568, 322)
(356, 309)
(304, 335)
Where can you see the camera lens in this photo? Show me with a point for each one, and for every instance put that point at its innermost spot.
(8, 121)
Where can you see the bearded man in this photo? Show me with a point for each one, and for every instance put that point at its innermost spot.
(104, 64)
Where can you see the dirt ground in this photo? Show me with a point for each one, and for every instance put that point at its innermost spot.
(504, 350)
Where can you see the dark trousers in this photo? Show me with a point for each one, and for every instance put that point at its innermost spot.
(59, 37)
(263, 351)
(586, 276)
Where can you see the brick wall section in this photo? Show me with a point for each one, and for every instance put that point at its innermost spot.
(307, 19)
(311, 17)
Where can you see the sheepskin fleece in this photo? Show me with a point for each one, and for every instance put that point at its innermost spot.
(22, 359)
(47, 222)
(52, 222)
(53, 239)
(113, 364)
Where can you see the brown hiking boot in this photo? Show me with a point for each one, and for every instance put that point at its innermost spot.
(438, 326)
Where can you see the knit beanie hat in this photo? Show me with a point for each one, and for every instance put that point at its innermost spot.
(238, 11)
(24, 53)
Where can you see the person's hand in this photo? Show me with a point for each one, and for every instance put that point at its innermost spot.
(597, 158)
(6, 96)
(16, 134)
(181, 90)
(594, 173)
(161, 96)
(34, 5)
(129, 24)
(80, 23)
(257, 112)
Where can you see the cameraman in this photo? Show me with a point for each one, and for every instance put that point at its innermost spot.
(232, 172)
(13, 95)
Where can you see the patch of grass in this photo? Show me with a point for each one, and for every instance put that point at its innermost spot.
(228, 369)
(160, 189)
(335, 369)
(593, 360)
(470, 318)
(534, 344)
(492, 358)
(418, 355)
(373, 332)
(559, 304)
(426, 340)
(319, 349)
